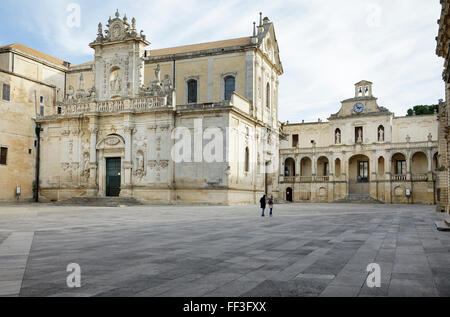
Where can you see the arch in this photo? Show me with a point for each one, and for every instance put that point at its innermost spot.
(268, 95)
(229, 86)
(337, 167)
(398, 164)
(247, 159)
(306, 167)
(419, 163)
(323, 166)
(192, 89)
(289, 167)
(111, 141)
(359, 168)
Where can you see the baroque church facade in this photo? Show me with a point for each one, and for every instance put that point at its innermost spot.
(191, 124)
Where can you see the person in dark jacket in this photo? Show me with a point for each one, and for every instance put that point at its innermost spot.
(263, 204)
(271, 205)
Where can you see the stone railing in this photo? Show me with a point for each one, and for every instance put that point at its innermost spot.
(322, 178)
(304, 179)
(399, 177)
(420, 177)
(115, 106)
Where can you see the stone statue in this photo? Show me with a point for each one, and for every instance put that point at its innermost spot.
(100, 30)
(158, 73)
(70, 93)
(359, 140)
(338, 137)
(381, 135)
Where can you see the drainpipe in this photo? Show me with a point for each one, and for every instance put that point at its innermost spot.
(38, 160)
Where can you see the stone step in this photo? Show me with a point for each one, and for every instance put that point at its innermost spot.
(100, 201)
(442, 226)
(358, 199)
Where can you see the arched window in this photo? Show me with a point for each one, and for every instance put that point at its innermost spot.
(268, 95)
(247, 159)
(230, 87)
(192, 91)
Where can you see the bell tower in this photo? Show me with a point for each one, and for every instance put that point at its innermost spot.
(119, 59)
(363, 89)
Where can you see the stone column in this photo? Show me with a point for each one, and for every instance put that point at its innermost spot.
(408, 165)
(127, 165)
(93, 164)
(387, 177)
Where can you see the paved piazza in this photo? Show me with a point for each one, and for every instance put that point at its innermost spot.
(305, 250)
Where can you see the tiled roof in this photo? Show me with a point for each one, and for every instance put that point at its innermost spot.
(35, 53)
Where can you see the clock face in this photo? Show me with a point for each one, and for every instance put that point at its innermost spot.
(358, 108)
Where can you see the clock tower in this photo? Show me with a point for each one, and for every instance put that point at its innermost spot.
(364, 103)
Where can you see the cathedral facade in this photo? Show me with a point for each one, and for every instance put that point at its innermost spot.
(190, 124)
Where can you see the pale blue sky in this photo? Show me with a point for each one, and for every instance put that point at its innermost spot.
(326, 45)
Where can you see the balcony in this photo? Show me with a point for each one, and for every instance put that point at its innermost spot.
(420, 177)
(142, 104)
(398, 177)
(322, 179)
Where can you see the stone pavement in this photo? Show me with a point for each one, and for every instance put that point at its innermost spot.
(305, 250)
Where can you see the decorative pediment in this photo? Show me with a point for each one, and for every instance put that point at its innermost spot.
(117, 30)
(112, 141)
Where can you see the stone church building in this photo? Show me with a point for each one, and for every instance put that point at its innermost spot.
(110, 127)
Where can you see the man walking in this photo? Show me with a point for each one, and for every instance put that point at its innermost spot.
(262, 201)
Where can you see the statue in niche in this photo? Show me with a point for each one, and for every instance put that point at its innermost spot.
(70, 93)
(115, 80)
(381, 134)
(359, 139)
(140, 165)
(338, 137)
(86, 169)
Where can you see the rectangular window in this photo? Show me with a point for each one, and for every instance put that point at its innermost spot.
(6, 92)
(294, 140)
(400, 167)
(41, 100)
(363, 170)
(3, 155)
(41, 112)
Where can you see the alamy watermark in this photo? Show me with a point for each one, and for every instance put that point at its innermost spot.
(74, 278)
(74, 15)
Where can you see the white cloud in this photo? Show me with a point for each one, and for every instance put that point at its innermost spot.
(326, 45)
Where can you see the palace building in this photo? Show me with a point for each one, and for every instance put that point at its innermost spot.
(108, 127)
(363, 152)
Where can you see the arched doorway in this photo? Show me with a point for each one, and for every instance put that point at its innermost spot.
(359, 175)
(289, 194)
(111, 153)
